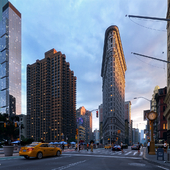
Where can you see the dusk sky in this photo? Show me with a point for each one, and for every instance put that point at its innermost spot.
(77, 29)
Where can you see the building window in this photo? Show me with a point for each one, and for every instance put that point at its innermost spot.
(164, 126)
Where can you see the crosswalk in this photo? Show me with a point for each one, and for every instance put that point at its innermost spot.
(109, 152)
(99, 152)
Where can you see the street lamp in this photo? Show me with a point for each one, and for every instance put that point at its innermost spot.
(151, 119)
(143, 98)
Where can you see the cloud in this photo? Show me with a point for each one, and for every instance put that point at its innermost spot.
(77, 29)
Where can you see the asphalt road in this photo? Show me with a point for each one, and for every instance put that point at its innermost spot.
(100, 159)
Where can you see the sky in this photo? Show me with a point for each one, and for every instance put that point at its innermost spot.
(77, 29)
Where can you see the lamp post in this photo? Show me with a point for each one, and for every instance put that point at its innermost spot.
(151, 117)
(145, 99)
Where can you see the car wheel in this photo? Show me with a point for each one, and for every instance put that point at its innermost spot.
(58, 153)
(26, 157)
(39, 155)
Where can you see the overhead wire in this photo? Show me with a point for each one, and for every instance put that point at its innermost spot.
(147, 27)
(150, 64)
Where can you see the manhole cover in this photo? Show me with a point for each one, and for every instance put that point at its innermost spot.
(136, 164)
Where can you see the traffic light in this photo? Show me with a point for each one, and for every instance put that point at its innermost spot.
(97, 113)
(5, 125)
(118, 131)
(77, 132)
(15, 124)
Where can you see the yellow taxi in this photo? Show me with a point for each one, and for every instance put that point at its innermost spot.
(107, 146)
(39, 150)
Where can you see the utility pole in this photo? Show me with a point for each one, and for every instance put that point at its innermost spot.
(150, 18)
(150, 57)
(144, 17)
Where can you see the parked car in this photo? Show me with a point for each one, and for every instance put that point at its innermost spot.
(107, 146)
(125, 146)
(39, 150)
(116, 148)
(134, 147)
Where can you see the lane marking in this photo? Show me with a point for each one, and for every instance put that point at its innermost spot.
(136, 164)
(141, 153)
(69, 165)
(162, 167)
(128, 153)
(104, 156)
(134, 153)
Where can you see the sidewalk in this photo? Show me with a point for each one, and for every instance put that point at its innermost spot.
(15, 153)
(153, 159)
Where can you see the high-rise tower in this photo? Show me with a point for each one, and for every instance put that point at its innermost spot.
(86, 117)
(51, 99)
(10, 59)
(113, 86)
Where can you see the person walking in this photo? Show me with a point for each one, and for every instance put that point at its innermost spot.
(122, 147)
(148, 146)
(87, 147)
(165, 146)
(138, 148)
(76, 147)
(91, 146)
(63, 146)
(79, 147)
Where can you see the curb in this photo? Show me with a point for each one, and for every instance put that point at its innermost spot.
(154, 162)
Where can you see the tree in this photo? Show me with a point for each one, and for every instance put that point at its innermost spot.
(10, 132)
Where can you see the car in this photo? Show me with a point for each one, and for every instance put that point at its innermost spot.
(134, 147)
(125, 146)
(116, 148)
(107, 146)
(39, 150)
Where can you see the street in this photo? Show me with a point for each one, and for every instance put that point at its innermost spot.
(99, 159)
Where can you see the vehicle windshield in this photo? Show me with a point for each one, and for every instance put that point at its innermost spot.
(31, 145)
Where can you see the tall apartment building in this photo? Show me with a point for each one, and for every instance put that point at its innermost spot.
(10, 59)
(96, 136)
(147, 129)
(128, 126)
(161, 133)
(51, 98)
(23, 121)
(101, 123)
(84, 118)
(153, 108)
(167, 99)
(135, 135)
(113, 86)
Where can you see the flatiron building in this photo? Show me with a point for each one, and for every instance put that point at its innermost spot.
(113, 87)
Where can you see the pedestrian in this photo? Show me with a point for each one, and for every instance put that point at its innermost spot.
(138, 147)
(165, 147)
(148, 146)
(122, 147)
(87, 147)
(76, 147)
(79, 147)
(91, 146)
(63, 146)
